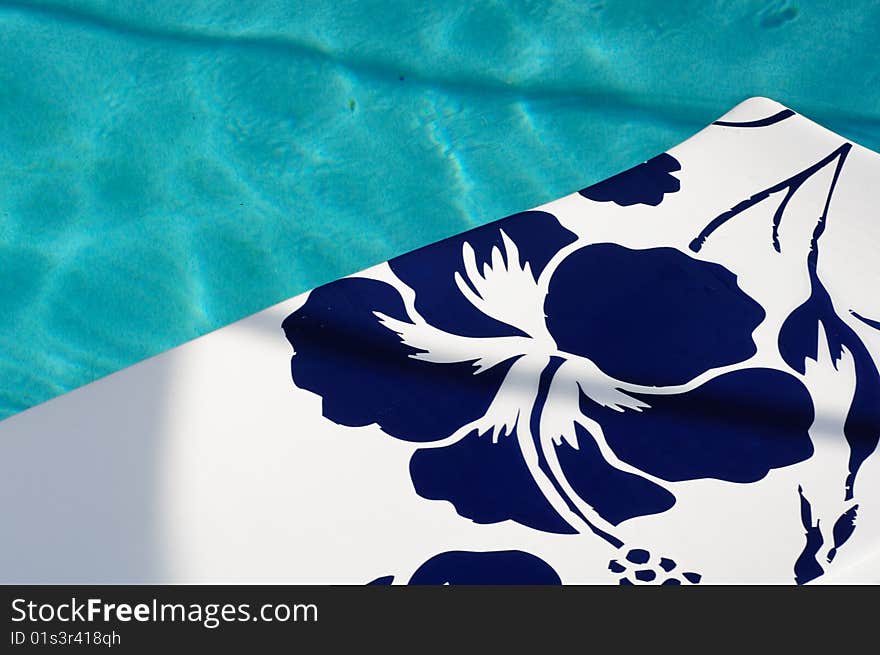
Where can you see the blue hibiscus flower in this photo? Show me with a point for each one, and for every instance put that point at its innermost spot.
(549, 382)
(645, 184)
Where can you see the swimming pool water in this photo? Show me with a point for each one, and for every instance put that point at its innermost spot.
(167, 168)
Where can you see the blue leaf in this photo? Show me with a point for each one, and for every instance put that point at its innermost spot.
(807, 567)
(644, 184)
(843, 529)
(867, 321)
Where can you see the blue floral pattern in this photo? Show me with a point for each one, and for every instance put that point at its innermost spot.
(538, 395)
(645, 184)
(501, 567)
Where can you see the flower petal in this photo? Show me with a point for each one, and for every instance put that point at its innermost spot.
(654, 317)
(616, 495)
(364, 373)
(486, 482)
(430, 271)
(735, 427)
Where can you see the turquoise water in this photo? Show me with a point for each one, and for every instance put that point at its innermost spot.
(167, 168)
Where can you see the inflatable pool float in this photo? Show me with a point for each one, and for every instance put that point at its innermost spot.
(669, 377)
